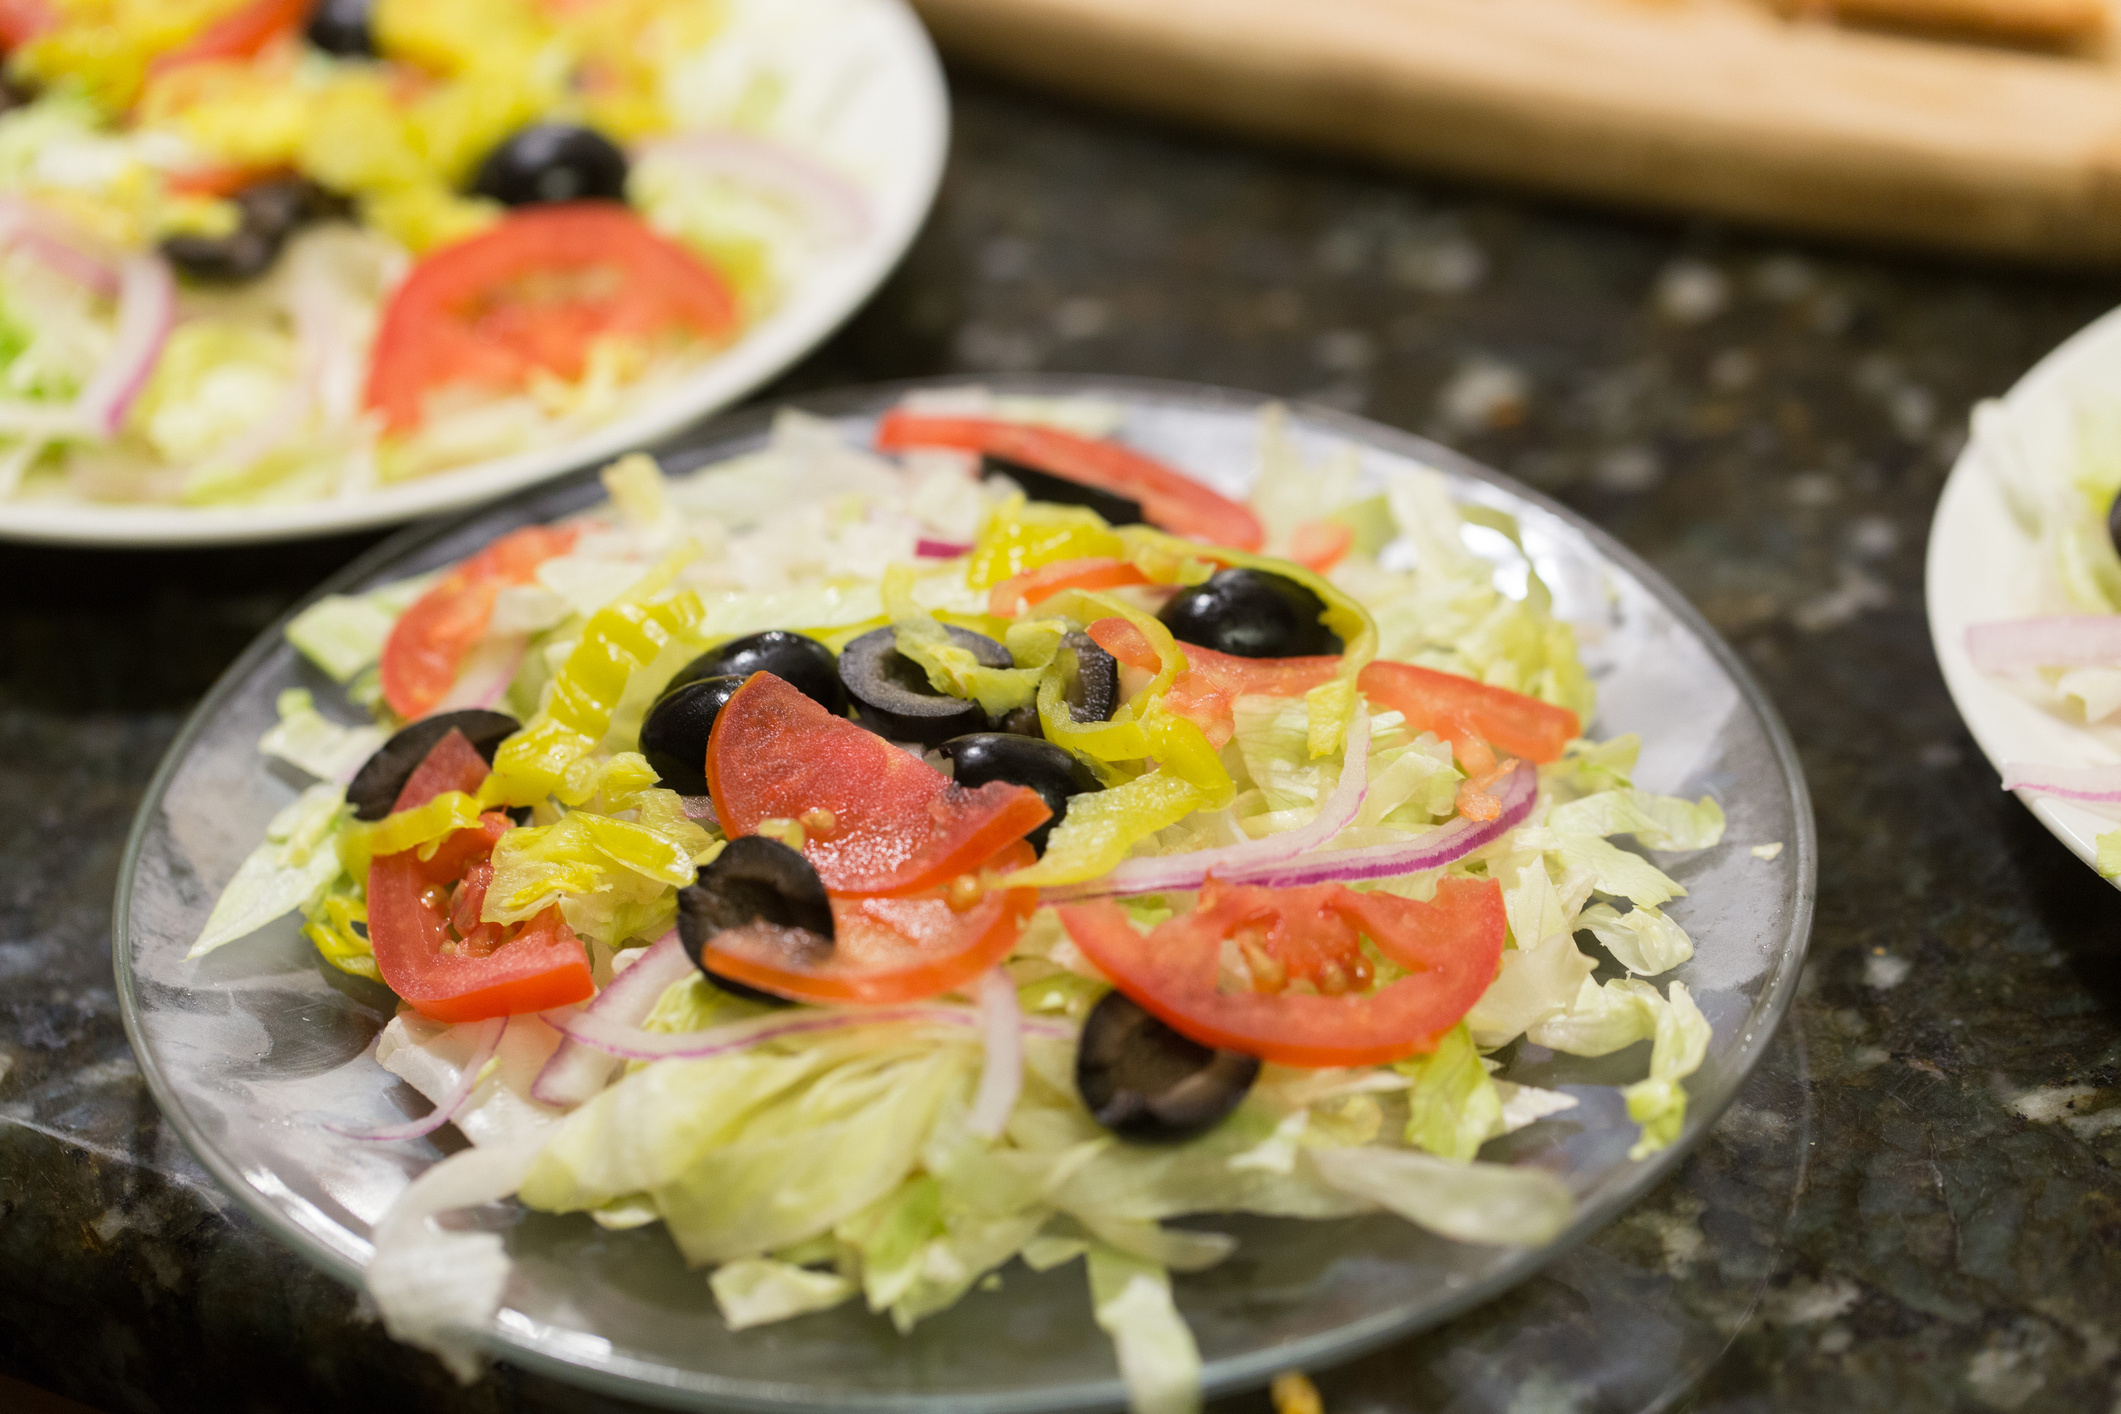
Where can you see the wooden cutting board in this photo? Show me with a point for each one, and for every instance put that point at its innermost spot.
(1685, 105)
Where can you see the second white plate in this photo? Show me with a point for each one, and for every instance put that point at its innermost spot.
(1985, 565)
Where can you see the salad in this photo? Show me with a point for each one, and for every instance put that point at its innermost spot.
(879, 864)
(271, 251)
(2067, 655)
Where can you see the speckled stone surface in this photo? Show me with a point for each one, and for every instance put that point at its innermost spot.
(1917, 1204)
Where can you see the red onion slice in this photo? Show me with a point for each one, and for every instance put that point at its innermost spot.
(48, 238)
(445, 1108)
(1179, 873)
(632, 1043)
(1517, 792)
(147, 311)
(578, 1070)
(483, 678)
(2095, 785)
(834, 206)
(1001, 1079)
(940, 549)
(2054, 641)
(700, 808)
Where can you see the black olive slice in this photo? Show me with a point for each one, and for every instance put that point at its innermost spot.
(1045, 486)
(892, 696)
(344, 27)
(1144, 1081)
(1251, 614)
(553, 162)
(269, 212)
(796, 659)
(755, 880)
(2113, 522)
(1092, 687)
(1023, 761)
(375, 787)
(674, 733)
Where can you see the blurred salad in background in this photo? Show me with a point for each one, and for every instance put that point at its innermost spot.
(263, 251)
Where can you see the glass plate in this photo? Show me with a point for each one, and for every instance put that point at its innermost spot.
(250, 1049)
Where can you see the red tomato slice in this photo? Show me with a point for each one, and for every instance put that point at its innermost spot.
(428, 643)
(1318, 545)
(1454, 945)
(533, 293)
(431, 948)
(1471, 715)
(1090, 572)
(898, 827)
(884, 949)
(1168, 498)
(23, 20)
(1211, 681)
(239, 34)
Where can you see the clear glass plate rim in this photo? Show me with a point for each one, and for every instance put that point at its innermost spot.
(625, 1377)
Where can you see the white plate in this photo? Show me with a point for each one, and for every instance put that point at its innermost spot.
(905, 126)
(1984, 565)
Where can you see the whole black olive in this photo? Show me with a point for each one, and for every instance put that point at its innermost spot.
(1142, 1080)
(1023, 761)
(553, 162)
(674, 733)
(755, 880)
(1251, 614)
(344, 27)
(375, 787)
(892, 696)
(269, 213)
(1092, 685)
(800, 661)
(1045, 486)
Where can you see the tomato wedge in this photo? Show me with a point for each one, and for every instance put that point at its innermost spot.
(1318, 545)
(1168, 497)
(1471, 715)
(239, 34)
(1089, 572)
(532, 294)
(1211, 681)
(430, 946)
(23, 20)
(1453, 944)
(428, 643)
(897, 825)
(884, 949)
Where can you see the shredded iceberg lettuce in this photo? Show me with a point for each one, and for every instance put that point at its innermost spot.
(307, 738)
(290, 871)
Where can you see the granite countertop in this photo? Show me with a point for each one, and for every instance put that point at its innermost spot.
(1916, 1205)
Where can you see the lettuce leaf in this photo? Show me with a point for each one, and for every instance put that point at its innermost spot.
(344, 634)
(753, 1291)
(1453, 1106)
(289, 871)
(1131, 1300)
(306, 738)
(1643, 940)
(1656, 821)
(1501, 1204)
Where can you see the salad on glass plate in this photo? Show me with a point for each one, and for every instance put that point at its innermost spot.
(877, 864)
(282, 266)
